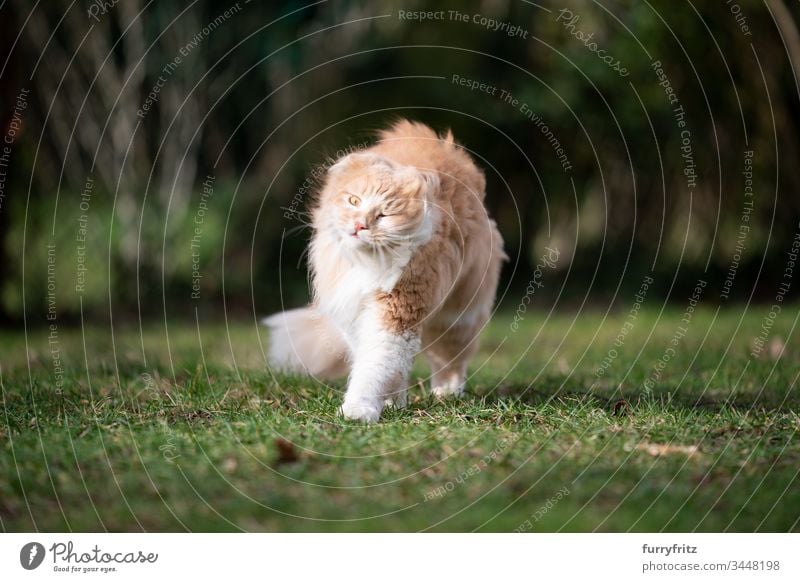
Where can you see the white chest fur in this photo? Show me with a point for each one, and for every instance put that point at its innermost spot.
(363, 277)
(348, 279)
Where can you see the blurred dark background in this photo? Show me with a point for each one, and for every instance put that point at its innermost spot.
(115, 115)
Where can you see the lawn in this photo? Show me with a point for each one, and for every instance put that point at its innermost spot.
(173, 430)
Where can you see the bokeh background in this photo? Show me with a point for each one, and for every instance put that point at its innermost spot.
(116, 114)
(157, 160)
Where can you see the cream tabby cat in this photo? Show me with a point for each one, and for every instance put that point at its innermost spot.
(404, 259)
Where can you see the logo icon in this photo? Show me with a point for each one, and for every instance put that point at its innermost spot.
(31, 555)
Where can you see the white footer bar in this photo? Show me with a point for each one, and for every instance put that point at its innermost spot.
(388, 557)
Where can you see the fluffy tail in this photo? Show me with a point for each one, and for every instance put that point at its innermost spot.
(302, 340)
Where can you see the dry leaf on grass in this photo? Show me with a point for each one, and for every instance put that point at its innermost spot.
(286, 452)
(621, 408)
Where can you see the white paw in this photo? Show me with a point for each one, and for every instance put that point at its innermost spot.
(446, 390)
(361, 411)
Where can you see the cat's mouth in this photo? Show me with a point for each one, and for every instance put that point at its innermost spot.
(357, 239)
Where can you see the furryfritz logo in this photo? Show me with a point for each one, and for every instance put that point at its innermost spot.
(31, 555)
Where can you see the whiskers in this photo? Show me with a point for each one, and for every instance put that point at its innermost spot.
(394, 241)
(391, 245)
(304, 218)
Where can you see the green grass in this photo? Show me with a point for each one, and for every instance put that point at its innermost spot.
(185, 435)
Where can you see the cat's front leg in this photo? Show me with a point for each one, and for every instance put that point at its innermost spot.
(382, 360)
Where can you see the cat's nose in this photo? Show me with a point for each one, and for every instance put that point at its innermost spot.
(359, 227)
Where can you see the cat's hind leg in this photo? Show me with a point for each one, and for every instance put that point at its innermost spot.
(449, 350)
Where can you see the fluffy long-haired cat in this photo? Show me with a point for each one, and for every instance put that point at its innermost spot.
(404, 258)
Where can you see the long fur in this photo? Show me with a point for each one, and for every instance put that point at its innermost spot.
(304, 341)
(404, 258)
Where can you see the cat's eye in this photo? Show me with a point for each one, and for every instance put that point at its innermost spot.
(379, 216)
(354, 200)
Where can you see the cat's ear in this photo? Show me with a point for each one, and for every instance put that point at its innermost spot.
(420, 183)
(359, 160)
(430, 183)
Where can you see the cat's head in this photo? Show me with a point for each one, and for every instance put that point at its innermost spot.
(373, 203)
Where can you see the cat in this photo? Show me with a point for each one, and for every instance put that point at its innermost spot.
(404, 259)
